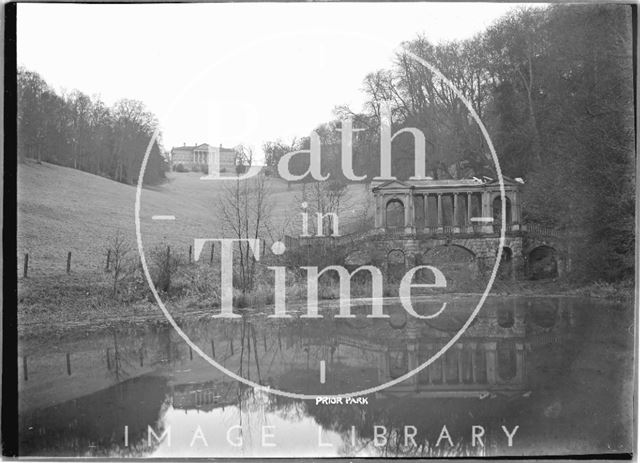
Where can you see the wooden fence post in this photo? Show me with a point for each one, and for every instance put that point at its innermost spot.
(108, 259)
(190, 250)
(69, 262)
(108, 359)
(26, 264)
(211, 258)
(213, 349)
(69, 364)
(24, 368)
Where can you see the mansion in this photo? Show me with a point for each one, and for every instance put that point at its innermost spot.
(196, 157)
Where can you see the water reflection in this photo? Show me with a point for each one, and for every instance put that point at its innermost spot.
(521, 363)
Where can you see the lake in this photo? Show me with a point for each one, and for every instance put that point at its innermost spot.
(530, 376)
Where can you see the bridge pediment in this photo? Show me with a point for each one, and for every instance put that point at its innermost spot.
(392, 185)
(506, 180)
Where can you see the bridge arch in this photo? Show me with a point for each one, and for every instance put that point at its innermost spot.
(495, 200)
(398, 362)
(458, 263)
(506, 269)
(440, 251)
(506, 317)
(394, 213)
(545, 316)
(357, 258)
(542, 262)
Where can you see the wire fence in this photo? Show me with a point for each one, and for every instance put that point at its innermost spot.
(34, 264)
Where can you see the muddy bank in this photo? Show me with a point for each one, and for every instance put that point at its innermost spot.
(39, 315)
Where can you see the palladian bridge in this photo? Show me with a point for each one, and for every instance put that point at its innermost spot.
(452, 224)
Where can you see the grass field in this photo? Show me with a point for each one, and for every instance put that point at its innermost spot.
(62, 210)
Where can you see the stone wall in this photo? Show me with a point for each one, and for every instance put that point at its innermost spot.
(417, 251)
(421, 249)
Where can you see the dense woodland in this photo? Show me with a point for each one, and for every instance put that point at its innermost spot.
(79, 131)
(554, 87)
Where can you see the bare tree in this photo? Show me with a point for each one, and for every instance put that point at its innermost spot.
(244, 158)
(245, 210)
(119, 249)
(326, 198)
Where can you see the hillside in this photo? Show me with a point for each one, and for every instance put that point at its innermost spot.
(62, 210)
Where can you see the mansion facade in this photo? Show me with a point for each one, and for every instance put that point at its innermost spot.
(196, 157)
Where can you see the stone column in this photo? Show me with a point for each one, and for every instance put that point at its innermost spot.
(491, 361)
(425, 204)
(443, 367)
(474, 374)
(439, 210)
(378, 212)
(560, 264)
(454, 219)
(520, 365)
(430, 368)
(409, 212)
(412, 211)
(486, 208)
(384, 372)
(459, 363)
(469, 196)
(515, 211)
(412, 362)
(487, 227)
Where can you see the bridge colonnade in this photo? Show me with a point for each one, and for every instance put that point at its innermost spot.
(444, 206)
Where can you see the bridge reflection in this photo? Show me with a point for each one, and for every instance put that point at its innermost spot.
(519, 360)
(489, 359)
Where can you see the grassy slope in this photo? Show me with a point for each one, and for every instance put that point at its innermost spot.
(61, 210)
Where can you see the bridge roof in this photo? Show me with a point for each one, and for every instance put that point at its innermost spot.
(447, 184)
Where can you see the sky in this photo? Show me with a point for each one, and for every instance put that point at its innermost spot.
(232, 73)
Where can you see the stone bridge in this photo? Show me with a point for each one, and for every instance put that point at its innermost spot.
(529, 251)
(452, 224)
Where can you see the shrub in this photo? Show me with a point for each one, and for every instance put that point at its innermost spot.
(179, 168)
(162, 266)
(201, 282)
(118, 250)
